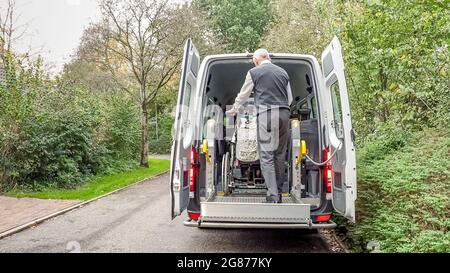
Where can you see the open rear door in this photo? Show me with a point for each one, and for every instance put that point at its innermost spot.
(339, 131)
(183, 132)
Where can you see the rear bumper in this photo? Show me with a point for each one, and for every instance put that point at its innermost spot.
(201, 224)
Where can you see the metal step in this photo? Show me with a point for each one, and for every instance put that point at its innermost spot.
(251, 209)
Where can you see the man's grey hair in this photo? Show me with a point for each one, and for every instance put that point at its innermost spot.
(261, 53)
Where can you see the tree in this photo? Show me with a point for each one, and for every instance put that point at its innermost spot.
(139, 42)
(396, 55)
(297, 28)
(239, 24)
(7, 27)
(12, 32)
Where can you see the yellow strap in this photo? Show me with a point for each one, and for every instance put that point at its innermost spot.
(302, 152)
(205, 149)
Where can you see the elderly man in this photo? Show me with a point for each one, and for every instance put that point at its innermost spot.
(273, 97)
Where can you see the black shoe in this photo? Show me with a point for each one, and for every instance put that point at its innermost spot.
(280, 198)
(271, 200)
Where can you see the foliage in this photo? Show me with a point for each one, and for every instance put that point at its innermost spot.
(121, 127)
(57, 148)
(139, 44)
(397, 62)
(161, 140)
(239, 24)
(59, 132)
(161, 123)
(398, 59)
(397, 68)
(100, 184)
(18, 89)
(404, 193)
(296, 28)
(396, 54)
(59, 135)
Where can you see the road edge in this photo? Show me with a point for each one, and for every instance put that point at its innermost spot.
(332, 240)
(40, 220)
(340, 242)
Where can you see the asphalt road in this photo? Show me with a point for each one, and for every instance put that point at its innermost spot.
(137, 219)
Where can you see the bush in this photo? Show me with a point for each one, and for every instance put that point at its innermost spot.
(162, 143)
(121, 127)
(56, 145)
(120, 133)
(403, 194)
(397, 62)
(54, 136)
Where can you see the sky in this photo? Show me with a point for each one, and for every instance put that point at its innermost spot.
(54, 27)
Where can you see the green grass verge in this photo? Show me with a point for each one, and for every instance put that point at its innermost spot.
(99, 185)
(403, 202)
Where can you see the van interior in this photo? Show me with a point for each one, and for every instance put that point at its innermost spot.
(224, 81)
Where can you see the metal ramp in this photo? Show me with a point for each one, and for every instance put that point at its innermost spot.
(251, 209)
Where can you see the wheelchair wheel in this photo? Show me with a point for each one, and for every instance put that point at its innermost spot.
(226, 173)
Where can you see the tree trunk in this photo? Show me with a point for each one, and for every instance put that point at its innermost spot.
(144, 136)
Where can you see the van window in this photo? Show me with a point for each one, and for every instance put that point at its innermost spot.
(337, 113)
(185, 115)
(186, 100)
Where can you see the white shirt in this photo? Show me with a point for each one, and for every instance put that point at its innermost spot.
(247, 89)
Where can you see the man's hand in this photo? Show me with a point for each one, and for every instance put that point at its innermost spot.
(231, 112)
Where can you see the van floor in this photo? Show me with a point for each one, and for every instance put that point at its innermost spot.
(249, 199)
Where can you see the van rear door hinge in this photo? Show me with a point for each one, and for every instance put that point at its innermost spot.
(353, 135)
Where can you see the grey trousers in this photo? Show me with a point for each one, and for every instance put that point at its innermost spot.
(273, 135)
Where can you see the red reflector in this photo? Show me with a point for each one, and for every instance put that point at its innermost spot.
(194, 216)
(192, 179)
(328, 172)
(192, 171)
(192, 155)
(328, 179)
(323, 218)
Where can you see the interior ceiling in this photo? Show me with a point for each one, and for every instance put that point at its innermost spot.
(226, 78)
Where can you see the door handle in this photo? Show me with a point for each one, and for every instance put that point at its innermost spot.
(176, 186)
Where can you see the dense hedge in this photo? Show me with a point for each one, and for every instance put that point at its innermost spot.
(55, 135)
(403, 200)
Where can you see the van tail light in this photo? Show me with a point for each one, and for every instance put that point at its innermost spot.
(193, 172)
(327, 171)
(323, 218)
(192, 179)
(194, 216)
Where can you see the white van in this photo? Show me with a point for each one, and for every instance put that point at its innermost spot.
(219, 191)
